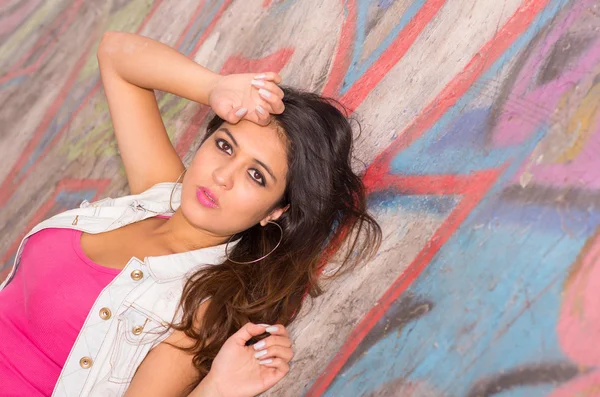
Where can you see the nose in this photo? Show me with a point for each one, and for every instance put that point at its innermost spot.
(223, 176)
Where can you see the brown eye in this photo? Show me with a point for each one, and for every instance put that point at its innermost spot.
(224, 146)
(257, 177)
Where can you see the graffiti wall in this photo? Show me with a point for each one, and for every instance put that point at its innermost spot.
(481, 149)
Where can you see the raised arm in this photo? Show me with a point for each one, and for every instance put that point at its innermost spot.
(133, 66)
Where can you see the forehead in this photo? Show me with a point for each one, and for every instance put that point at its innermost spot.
(264, 143)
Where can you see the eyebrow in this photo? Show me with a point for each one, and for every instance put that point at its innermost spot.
(225, 130)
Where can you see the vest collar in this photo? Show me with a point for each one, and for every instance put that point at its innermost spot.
(168, 267)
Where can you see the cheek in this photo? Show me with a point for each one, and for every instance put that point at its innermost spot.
(246, 200)
(203, 157)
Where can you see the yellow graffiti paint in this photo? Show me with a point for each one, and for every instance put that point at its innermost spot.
(127, 19)
(581, 123)
(46, 12)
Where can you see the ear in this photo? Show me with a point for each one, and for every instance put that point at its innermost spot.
(274, 215)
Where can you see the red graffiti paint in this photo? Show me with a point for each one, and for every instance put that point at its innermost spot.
(14, 177)
(473, 187)
(363, 86)
(46, 42)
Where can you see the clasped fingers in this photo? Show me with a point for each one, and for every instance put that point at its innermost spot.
(271, 94)
(276, 346)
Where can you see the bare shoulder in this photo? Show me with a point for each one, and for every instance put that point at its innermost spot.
(167, 370)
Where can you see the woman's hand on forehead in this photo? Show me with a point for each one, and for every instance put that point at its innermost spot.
(249, 96)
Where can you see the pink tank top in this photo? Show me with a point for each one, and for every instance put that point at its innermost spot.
(43, 309)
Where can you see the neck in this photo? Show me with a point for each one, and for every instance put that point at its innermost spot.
(178, 235)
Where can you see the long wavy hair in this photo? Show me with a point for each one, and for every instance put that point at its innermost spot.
(327, 210)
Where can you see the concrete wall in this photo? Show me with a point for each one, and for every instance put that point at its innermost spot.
(482, 140)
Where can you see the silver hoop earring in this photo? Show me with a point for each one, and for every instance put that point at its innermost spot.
(173, 191)
(262, 257)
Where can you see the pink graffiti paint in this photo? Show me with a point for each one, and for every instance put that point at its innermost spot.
(10, 21)
(581, 172)
(526, 109)
(46, 42)
(582, 386)
(15, 176)
(579, 322)
(557, 102)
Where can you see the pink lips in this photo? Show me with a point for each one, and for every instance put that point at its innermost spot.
(207, 198)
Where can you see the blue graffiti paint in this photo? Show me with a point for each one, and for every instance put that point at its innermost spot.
(66, 200)
(12, 82)
(357, 69)
(496, 283)
(385, 3)
(199, 26)
(76, 96)
(435, 205)
(8, 263)
(461, 149)
(480, 282)
(280, 7)
(71, 103)
(403, 163)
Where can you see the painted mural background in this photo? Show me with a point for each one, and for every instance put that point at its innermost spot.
(481, 139)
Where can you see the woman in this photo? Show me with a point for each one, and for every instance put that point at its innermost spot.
(237, 240)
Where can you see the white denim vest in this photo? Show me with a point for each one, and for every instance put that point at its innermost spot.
(129, 315)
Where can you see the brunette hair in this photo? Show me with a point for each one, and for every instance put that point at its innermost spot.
(327, 208)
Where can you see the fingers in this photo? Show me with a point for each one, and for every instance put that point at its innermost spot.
(272, 100)
(273, 340)
(269, 76)
(278, 345)
(267, 86)
(236, 114)
(284, 353)
(271, 93)
(263, 117)
(249, 330)
(276, 363)
(277, 329)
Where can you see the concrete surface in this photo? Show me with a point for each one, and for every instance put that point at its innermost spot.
(482, 142)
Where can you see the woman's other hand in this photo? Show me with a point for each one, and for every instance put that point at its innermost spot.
(249, 96)
(244, 371)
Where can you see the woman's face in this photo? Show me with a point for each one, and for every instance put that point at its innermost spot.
(243, 167)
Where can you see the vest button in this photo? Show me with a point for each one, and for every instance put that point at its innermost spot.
(85, 362)
(105, 313)
(137, 330)
(137, 275)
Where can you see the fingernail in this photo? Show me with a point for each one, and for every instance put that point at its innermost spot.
(267, 361)
(260, 76)
(260, 110)
(264, 325)
(241, 112)
(264, 93)
(272, 329)
(260, 354)
(259, 345)
(258, 83)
